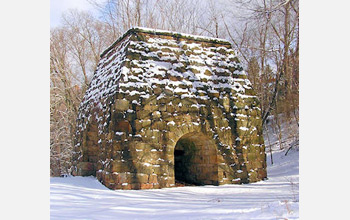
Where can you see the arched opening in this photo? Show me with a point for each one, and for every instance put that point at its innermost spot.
(195, 160)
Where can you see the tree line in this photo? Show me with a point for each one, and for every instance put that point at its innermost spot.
(264, 32)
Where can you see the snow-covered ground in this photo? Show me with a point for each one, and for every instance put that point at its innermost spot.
(275, 198)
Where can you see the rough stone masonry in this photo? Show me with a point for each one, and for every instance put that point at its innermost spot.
(165, 106)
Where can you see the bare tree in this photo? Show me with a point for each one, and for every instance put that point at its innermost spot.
(63, 104)
(268, 36)
(174, 15)
(75, 50)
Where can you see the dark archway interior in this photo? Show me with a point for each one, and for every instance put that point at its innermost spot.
(194, 163)
(184, 153)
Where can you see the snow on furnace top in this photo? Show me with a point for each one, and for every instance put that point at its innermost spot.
(168, 33)
(183, 65)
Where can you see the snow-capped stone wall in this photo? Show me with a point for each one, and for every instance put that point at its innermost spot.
(156, 93)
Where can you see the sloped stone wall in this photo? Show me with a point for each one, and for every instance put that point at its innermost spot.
(153, 91)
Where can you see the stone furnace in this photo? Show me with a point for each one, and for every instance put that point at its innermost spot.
(165, 106)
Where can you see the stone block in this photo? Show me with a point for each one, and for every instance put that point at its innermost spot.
(138, 125)
(253, 176)
(213, 159)
(135, 186)
(151, 107)
(86, 168)
(143, 114)
(115, 177)
(162, 108)
(159, 125)
(92, 150)
(99, 175)
(262, 174)
(164, 182)
(110, 185)
(236, 181)
(156, 186)
(93, 159)
(142, 178)
(122, 178)
(107, 177)
(121, 104)
(119, 166)
(153, 179)
(242, 175)
(156, 115)
(126, 186)
(168, 92)
(92, 136)
(123, 126)
(142, 168)
(157, 90)
(252, 156)
(146, 186)
(118, 115)
(157, 169)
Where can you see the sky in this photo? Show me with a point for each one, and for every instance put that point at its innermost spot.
(58, 7)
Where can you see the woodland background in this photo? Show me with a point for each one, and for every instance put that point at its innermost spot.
(264, 32)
